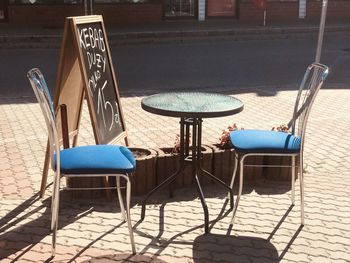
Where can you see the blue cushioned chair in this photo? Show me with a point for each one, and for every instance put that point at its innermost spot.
(260, 142)
(84, 161)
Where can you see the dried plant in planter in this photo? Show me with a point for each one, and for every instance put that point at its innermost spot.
(281, 128)
(176, 148)
(225, 135)
(284, 173)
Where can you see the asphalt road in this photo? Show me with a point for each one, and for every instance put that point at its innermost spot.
(211, 65)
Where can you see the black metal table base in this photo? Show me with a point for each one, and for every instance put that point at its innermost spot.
(192, 156)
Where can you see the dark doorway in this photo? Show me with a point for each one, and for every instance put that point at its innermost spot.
(3, 10)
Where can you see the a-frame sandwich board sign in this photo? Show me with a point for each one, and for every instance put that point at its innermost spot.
(86, 71)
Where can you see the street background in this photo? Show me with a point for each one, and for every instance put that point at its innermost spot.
(147, 64)
(261, 70)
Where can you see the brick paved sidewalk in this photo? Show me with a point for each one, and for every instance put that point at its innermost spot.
(266, 229)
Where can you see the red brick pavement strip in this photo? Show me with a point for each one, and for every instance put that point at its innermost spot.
(265, 229)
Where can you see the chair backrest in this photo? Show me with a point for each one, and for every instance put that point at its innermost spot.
(43, 96)
(313, 80)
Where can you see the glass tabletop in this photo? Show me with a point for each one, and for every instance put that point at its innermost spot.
(192, 104)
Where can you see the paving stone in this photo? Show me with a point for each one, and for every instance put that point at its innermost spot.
(175, 232)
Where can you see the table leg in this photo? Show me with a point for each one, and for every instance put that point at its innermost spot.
(197, 149)
(166, 182)
(204, 205)
(195, 159)
(196, 165)
(218, 181)
(183, 148)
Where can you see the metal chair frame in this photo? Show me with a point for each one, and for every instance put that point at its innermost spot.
(43, 96)
(313, 79)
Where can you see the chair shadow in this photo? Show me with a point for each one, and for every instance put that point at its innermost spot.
(227, 247)
(125, 258)
(24, 236)
(157, 244)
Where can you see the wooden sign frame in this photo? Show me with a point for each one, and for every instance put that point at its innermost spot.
(72, 86)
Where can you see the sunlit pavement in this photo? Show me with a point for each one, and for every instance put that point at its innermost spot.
(266, 229)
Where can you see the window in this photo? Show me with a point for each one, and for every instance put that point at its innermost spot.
(120, 1)
(47, 2)
(77, 1)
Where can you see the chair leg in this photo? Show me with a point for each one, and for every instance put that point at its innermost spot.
(54, 210)
(131, 234)
(241, 168)
(301, 175)
(293, 180)
(53, 202)
(233, 174)
(120, 198)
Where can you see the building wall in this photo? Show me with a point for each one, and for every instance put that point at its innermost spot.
(130, 13)
(336, 10)
(54, 15)
(42, 14)
(277, 11)
(288, 10)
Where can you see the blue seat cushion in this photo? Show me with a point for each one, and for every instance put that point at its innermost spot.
(261, 141)
(97, 159)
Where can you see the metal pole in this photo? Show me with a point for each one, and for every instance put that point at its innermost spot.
(321, 31)
(91, 9)
(85, 7)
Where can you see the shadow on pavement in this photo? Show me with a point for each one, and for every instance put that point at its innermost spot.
(125, 258)
(228, 248)
(223, 248)
(234, 249)
(24, 236)
(17, 234)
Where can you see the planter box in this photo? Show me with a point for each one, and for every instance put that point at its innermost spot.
(154, 166)
(143, 179)
(280, 173)
(223, 164)
(252, 173)
(87, 182)
(168, 163)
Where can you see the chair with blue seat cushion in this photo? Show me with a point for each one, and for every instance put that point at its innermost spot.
(83, 161)
(273, 143)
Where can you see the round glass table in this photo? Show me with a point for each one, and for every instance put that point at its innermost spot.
(192, 104)
(191, 108)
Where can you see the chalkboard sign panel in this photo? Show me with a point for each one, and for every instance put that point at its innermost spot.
(100, 83)
(98, 78)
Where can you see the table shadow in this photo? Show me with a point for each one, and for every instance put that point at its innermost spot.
(228, 248)
(225, 248)
(125, 258)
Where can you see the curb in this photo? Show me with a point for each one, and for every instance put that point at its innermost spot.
(123, 38)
